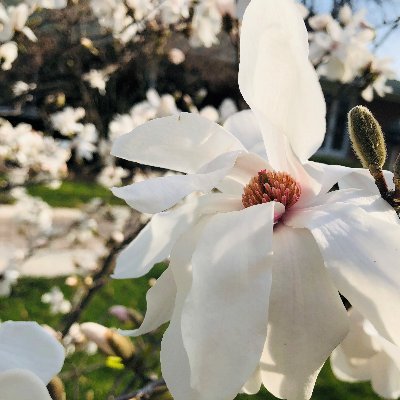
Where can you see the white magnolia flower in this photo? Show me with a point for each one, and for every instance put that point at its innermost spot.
(29, 358)
(84, 142)
(20, 87)
(49, 4)
(8, 278)
(55, 298)
(8, 54)
(13, 19)
(97, 80)
(381, 71)
(206, 24)
(66, 120)
(141, 8)
(251, 291)
(172, 11)
(112, 175)
(364, 355)
(176, 56)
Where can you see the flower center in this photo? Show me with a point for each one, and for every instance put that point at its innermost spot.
(269, 186)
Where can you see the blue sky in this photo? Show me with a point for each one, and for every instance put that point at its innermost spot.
(389, 11)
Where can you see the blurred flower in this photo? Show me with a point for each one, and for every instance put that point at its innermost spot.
(120, 312)
(21, 87)
(29, 358)
(13, 19)
(84, 142)
(8, 278)
(176, 56)
(8, 54)
(112, 176)
(75, 340)
(97, 80)
(206, 24)
(66, 121)
(364, 355)
(55, 298)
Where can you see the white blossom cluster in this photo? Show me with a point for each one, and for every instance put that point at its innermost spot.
(83, 136)
(28, 154)
(14, 19)
(126, 19)
(341, 50)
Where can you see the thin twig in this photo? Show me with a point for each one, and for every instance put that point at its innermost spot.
(145, 392)
(99, 278)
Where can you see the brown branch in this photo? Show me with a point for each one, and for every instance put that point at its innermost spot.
(100, 278)
(146, 392)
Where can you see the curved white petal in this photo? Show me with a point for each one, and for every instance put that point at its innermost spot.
(360, 178)
(21, 384)
(154, 242)
(26, 345)
(307, 319)
(253, 384)
(244, 126)
(159, 194)
(160, 304)
(278, 81)
(246, 167)
(362, 254)
(385, 376)
(181, 142)
(224, 319)
(174, 360)
(345, 371)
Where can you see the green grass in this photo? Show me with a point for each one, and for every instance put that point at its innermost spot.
(73, 194)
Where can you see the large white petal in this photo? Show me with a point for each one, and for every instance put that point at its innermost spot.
(181, 142)
(224, 320)
(21, 384)
(160, 304)
(360, 178)
(362, 254)
(278, 81)
(244, 126)
(26, 345)
(154, 242)
(347, 372)
(246, 167)
(174, 360)
(385, 376)
(307, 319)
(159, 194)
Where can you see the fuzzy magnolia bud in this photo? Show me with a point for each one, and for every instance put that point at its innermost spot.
(396, 180)
(121, 345)
(369, 144)
(56, 389)
(367, 138)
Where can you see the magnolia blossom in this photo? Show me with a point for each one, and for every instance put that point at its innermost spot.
(29, 358)
(364, 355)
(13, 19)
(50, 4)
(97, 80)
(206, 24)
(172, 11)
(55, 298)
(8, 278)
(8, 54)
(112, 175)
(251, 291)
(84, 142)
(381, 71)
(20, 87)
(66, 121)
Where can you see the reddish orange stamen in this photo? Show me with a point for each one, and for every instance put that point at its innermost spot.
(271, 186)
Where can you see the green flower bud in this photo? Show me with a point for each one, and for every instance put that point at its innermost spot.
(367, 138)
(121, 345)
(56, 389)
